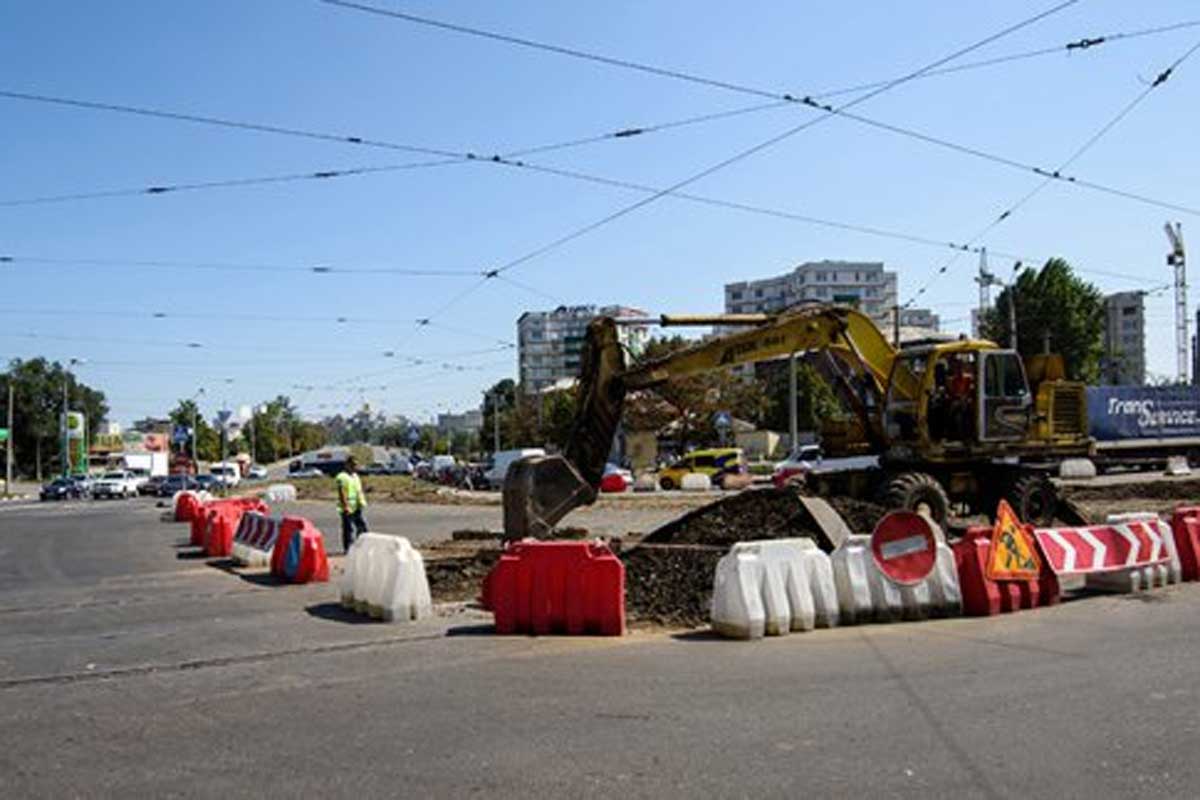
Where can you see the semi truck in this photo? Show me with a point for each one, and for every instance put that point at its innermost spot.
(1143, 426)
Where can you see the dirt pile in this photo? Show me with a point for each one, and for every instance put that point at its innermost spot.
(458, 578)
(860, 515)
(669, 585)
(761, 514)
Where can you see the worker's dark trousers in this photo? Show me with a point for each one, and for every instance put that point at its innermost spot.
(352, 525)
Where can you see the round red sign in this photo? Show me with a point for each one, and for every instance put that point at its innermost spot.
(904, 547)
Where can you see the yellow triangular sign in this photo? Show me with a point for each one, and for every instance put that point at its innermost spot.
(1013, 556)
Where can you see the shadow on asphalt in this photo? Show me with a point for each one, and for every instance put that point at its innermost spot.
(486, 629)
(702, 635)
(335, 613)
(229, 566)
(191, 555)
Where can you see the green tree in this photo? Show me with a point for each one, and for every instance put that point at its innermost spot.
(1053, 303)
(504, 395)
(815, 400)
(208, 440)
(37, 409)
(693, 401)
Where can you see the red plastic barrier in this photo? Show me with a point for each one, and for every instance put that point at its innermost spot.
(1185, 527)
(983, 597)
(220, 523)
(188, 507)
(557, 587)
(299, 553)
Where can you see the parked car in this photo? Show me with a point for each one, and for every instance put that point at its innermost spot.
(716, 463)
(150, 486)
(799, 463)
(306, 472)
(207, 483)
(61, 489)
(116, 484)
(176, 483)
(499, 463)
(226, 473)
(375, 469)
(85, 483)
(257, 472)
(400, 466)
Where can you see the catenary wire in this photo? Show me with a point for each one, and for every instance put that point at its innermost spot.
(1087, 145)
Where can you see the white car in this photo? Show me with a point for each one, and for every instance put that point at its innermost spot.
(257, 473)
(115, 484)
(227, 473)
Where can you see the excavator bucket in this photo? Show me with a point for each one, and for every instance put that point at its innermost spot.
(538, 492)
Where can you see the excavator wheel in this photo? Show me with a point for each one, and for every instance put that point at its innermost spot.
(912, 490)
(1034, 498)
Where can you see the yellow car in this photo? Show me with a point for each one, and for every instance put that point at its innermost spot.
(716, 463)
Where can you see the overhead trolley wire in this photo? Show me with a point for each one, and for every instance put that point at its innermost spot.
(451, 156)
(1087, 145)
(776, 139)
(743, 154)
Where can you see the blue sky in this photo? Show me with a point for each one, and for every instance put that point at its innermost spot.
(313, 66)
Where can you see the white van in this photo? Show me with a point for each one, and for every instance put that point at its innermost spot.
(227, 473)
(502, 460)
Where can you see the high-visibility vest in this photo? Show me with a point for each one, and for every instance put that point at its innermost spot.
(350, 485)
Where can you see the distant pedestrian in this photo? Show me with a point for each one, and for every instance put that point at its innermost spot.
(351, 502)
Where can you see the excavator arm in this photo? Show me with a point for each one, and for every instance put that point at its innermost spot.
(540, 491)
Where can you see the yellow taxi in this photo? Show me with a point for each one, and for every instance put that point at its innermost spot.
(716, 463)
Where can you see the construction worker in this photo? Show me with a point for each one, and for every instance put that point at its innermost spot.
(351, 502)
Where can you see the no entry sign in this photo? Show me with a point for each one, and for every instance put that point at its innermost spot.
(904, 547)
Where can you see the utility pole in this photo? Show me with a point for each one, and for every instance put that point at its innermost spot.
(895, 326)
(793, 412)
(986, 280)
(8, 450)
(495, 422)
(1012, 306)
(195, 430)
(1177, 258)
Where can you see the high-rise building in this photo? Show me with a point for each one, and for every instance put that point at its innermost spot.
(922, 318)
(1124, 361)
(865, 285)
(468, 421)
(549, 342)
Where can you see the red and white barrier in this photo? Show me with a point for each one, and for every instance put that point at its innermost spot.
(255, 539)
(1102, 548)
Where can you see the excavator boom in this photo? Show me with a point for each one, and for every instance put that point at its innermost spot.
(540, 491)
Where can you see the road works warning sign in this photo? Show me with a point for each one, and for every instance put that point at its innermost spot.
(1014, 556)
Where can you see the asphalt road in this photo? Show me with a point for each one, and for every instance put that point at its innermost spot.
(129, 668)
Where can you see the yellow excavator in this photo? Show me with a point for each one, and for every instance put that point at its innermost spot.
(963, 422)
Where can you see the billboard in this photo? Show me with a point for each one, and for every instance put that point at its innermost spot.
(76, 425)
(1143, 412)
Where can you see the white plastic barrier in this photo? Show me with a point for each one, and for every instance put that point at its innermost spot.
(645, 483)
(1141, 578)
(695, 482)
(255, 539)
(280, 493)
(866, 595)
(384, 576)
(1077, 468)
(1178, 465)
(771, 587)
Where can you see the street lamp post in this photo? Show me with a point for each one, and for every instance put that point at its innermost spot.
(195, 430)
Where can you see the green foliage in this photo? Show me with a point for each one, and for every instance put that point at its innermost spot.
(37, 406)
(1053, 301)
(693, 401)
(815, 400)
(208, 441)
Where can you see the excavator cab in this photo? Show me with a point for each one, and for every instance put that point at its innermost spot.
(958, 395)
